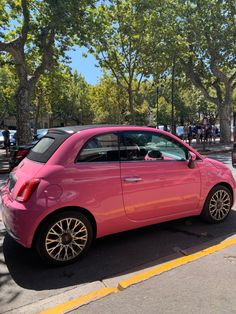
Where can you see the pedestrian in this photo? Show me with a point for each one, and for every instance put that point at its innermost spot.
(6, 136)
(214, 133)
(186, 129)
(209, 133)
(198, 132)
(190, 134)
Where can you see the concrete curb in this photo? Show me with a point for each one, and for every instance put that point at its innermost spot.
(65, 296)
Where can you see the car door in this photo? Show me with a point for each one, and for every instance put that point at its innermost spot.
(156, 179)
(98, 178)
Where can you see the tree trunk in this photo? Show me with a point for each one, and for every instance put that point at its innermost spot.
(36, 116)
(131, 105)
(225, 122)
(2, 115)
(23, 99)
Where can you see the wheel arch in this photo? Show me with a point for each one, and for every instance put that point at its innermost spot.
(228, 186)
(205, 211)
(81, 210)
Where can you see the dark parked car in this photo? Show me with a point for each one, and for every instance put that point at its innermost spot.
(18, 153)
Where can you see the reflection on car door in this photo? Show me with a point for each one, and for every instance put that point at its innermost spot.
(158, 188)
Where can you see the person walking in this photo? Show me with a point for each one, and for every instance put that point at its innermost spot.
(198, 132)
(186, 130)
(190, 134)
(209, 133)
(6, 136)
(214, 133)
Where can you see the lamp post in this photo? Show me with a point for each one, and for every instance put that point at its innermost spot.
(172, 97)
(157, 104)
(158, 90)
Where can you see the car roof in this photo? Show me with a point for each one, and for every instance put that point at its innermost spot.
(77, 128)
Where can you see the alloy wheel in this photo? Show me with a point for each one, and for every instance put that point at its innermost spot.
(66, 239)
(220, 205)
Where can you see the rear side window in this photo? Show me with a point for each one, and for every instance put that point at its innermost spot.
(47, 146)
(100, 148)
(43, 145)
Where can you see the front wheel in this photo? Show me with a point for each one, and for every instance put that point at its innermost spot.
(63, 238)
(218, 204)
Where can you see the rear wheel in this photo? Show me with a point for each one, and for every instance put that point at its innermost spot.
(64, 237)
(218, 204)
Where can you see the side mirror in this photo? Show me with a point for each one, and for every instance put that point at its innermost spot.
(191, 160)
(154, 154)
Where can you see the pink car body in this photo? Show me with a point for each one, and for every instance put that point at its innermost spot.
(114, 195)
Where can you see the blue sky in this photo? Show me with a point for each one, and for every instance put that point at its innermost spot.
(85, 66)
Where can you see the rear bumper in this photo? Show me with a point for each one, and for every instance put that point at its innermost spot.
(18, 220)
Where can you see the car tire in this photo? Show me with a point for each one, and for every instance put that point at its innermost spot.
(217, 205)
(63, 238)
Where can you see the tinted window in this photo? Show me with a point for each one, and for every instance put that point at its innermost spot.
(149, 146)
(47, 146)
(100, 148)
(43, 145)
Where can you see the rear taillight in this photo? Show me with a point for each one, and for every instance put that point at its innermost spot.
(27, 190)
(21, 153)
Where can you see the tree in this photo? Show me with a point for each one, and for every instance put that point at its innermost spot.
(118, 42)
(7, 90)
(206, 45)
(35, 34)
(108, 102)
(64, 96)
(78, 93)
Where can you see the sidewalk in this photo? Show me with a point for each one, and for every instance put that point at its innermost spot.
(212, 148)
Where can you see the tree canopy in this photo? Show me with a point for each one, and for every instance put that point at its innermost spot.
(163, 61)
(34, 35)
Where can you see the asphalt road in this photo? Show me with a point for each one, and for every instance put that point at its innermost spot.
(24, 280)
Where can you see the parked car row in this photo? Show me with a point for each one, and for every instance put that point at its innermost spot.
(18, 153)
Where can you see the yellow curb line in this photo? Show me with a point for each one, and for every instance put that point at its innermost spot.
(173, 264)
(62, 308)
(75, 303)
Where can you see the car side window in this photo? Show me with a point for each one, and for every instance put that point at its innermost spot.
(99, 149)
(148, 146)
(170, 148)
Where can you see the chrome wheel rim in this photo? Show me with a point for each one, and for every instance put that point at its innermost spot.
(66, 239)
(220, 205)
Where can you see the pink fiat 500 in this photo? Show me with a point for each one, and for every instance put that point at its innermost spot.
(84, 182)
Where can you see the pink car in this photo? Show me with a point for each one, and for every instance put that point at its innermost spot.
(84, 182)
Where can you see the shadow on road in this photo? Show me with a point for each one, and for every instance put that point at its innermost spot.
(114, 254)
